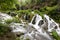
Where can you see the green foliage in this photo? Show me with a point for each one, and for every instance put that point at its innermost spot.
(55, 15)
(16, 20)
(18, 38)
(38, 12)
(4, 29)
(7, 4)
(52, 12)
(24, 11)
(55, 35)
(8, 21)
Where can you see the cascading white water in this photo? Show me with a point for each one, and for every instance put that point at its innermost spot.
(35, 29)
(52, 24)
(37, 23)
(37, 18)
(17, 27)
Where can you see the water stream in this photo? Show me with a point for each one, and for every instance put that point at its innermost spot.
(35, 29)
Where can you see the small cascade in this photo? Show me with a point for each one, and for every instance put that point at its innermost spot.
(37, 23)
(51, 23)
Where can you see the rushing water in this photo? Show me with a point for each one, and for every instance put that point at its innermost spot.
(51, 23)
(37, 23)
(17, 27)
(35, 29)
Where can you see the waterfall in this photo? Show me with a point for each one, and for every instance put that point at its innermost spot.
(35, 30)
(36, 19)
